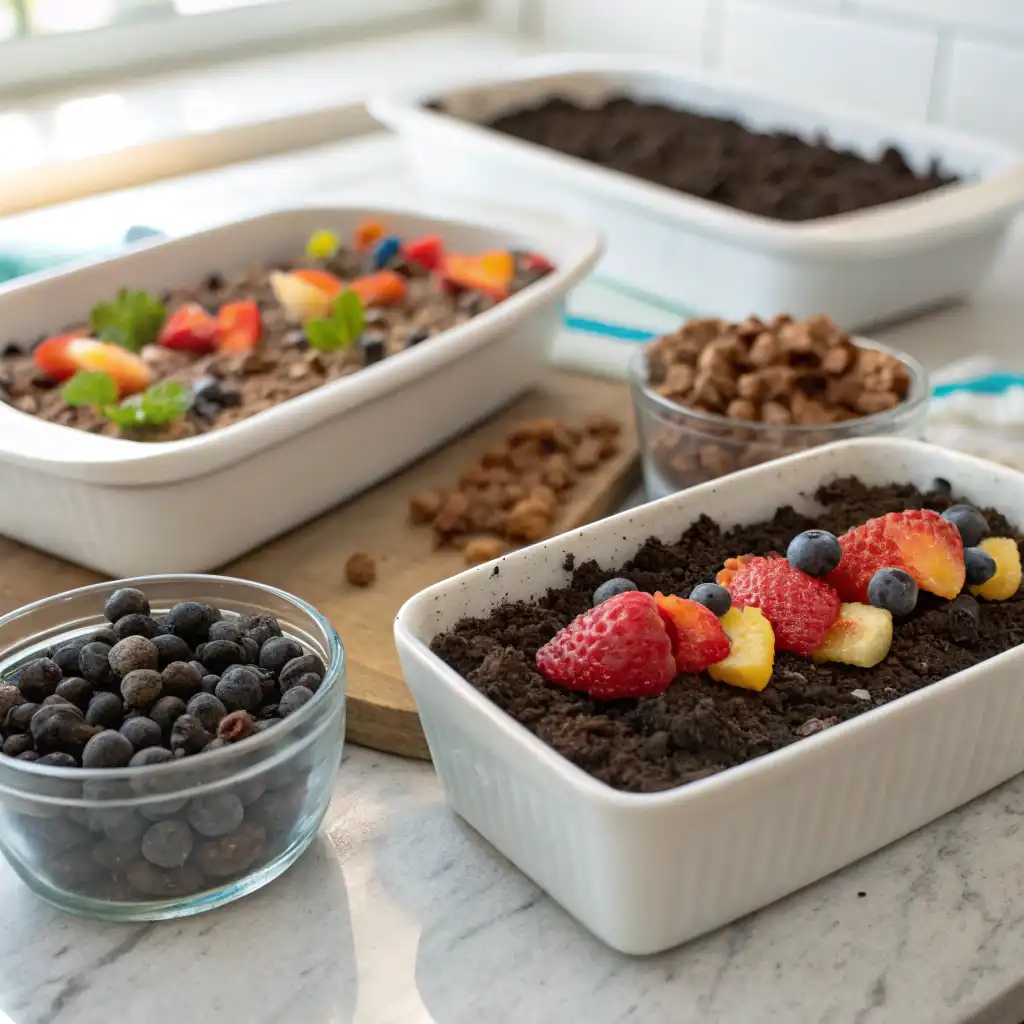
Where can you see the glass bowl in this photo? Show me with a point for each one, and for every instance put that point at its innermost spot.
(74, 835)
(680, 447)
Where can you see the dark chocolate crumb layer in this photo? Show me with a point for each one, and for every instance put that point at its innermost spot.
(699, 727)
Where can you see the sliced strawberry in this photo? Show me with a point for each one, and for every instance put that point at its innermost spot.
(731, 567)
(428, 252)
(698, 639)
(487, 273)
(238, 326)
(189, 329)
(618, 649)
(533, 262)
(322, 280)
(385, 288)
(130, 373)
(918, 541)
(51, 356)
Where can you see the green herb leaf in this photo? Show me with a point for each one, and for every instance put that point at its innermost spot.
(155, 407)
(323, 335)
(348, 316)
(132, 320)
(90, 388)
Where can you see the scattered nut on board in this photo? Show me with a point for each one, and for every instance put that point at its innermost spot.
(512, 493)
(361, 569)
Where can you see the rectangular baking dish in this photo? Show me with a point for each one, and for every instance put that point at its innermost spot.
(128, 508)
(645, 872)
(862, 268)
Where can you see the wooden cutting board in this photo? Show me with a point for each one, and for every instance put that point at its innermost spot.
(310, 561)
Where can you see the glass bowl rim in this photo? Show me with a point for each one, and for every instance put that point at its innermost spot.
(917, 398)
(334, 676)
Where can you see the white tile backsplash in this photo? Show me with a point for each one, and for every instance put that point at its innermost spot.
(809, 54)
(880, 55)
(984, 91)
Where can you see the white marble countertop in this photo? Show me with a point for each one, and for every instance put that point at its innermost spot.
(399, 914)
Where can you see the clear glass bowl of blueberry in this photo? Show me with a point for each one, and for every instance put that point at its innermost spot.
(170, 743)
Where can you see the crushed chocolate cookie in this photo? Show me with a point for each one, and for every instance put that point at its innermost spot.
(698, 727)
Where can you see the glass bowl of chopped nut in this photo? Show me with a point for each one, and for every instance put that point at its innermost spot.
(715, 397)
(170, 743)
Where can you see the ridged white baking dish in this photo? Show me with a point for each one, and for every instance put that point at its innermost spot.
(645, 872)
(861, 268)
(128, 508)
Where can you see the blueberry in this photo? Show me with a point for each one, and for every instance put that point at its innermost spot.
(260, 628)
(171, 648)
(63, 730)
(29, 755)
(44, 714)
(277, 652)
(181, 679)
(964, 619)
(66, 657)
(218, 655)
(715, 598)
(104, 636)
(612, 588)
(191, 621)
(150, 755)
(387, 249)
(293, 700)
(167, 844)
(188, 735)
(417, 337)
(166, 711)
(251, 650)
(57, 758)
(105, 709)
(75, 690)
(973, 526)
(38, 679)
(10, 698)
(240, 689)
(126, 601)
(19, 718)
(18, 744)
(894, 590)
(142, 732)
(107, 749)
(225, 631)
(94, 664)
(216, 815)
(306, 664)
(142, 687)
(54, 698)
(208, 709)
(134, 652)
(208, 684)
(815, 552)
(136, 625)
(980, 565)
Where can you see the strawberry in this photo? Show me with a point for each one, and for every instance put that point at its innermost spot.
(51, 356)
(322, 280)
(489, 273)
(918, 541)
(618, 649)
(384, 288)
(730, 568)
(189, 329)
(130, 373)
(238, 326)
(799, 607)
(698, 639)
(428, 252)
(533, 262)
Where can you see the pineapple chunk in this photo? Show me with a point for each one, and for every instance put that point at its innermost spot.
(861, 636)
(301, 300)
(752, 650)
(1006, 581)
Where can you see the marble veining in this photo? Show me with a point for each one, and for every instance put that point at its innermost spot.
(400, 914)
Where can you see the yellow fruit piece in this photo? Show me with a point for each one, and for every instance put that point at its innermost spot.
(752, 652)
(1006, 581)
(301, 300)
(861, 636)
(322, 245)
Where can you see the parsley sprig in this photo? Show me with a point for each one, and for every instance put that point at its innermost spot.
(342, 328)
(132, 320)
(157, 406)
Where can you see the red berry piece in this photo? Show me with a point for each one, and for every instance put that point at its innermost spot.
(52, 357)
(428, 252)
(918, 541)
(698, 639)
(189, 329)
(799, 607)
(618, 649)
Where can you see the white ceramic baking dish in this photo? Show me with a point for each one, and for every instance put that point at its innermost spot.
(128, 508)
(862, 268)
(645, 872)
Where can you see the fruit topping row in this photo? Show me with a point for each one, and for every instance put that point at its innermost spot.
(828, 599)
(162, 367)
